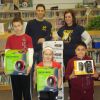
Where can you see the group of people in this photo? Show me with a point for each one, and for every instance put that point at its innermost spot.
(38, 30)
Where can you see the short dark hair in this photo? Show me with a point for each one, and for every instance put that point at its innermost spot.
(81, 44)
(17, 19)
(73, 15)
(40, 5)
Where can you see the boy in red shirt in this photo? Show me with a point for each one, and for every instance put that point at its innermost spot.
(20, 41)
(82, 87)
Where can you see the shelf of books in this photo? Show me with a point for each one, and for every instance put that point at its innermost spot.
(54, 16)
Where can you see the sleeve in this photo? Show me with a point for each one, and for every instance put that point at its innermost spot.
(59, 66)
(60, 32)
(30, 51)
(30, 44)
(69, 69)
(30, 56)
(86, 37)
(48, 36)
(8, 44)
(40, 64)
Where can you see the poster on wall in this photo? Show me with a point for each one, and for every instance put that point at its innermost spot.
(25, 4)
(16, 62)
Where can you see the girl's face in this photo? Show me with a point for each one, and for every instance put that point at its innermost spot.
(47, 55)
(80, 51)
(68, 19)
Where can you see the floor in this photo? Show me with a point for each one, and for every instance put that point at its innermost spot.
(6, 95)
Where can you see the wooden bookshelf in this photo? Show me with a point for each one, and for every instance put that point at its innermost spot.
(5, 87)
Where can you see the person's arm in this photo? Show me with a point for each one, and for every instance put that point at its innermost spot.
(30, 53)
(60, 32)
(70, 70)
(30, 58)
(59, 78)
(86, 37)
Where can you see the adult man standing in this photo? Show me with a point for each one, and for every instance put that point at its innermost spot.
(40, 31)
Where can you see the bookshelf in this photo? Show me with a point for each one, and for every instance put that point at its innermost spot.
(4, 79)
(56, 19)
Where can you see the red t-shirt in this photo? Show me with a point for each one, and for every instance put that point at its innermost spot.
(19, 42)
(54, 64)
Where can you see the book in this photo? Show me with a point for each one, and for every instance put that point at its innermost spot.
(25, 4)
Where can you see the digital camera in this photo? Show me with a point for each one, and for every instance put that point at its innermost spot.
(88, 66)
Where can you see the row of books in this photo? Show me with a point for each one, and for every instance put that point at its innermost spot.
(95, 55)
(4, 79)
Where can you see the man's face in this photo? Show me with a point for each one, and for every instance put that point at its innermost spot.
(40, 12)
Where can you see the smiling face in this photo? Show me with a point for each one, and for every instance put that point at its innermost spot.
(47, 55)
(80, 51)
(40, 12)
(68, 19)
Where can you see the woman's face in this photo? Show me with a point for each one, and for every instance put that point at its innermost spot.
(47, 55)
(68, 19)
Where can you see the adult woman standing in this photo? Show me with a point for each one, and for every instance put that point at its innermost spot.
(72, 33)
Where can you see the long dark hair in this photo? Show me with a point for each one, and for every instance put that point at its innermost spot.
(73, 16)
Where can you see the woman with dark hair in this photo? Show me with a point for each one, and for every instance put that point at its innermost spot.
(72, 33)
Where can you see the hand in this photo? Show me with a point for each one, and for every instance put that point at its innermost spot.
(95, 75)
(72, 75)
(41, 40)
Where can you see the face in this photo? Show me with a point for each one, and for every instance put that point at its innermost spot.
(47, 55)
(80, 51)
(18, 27)
(40, 12)
(68, 19)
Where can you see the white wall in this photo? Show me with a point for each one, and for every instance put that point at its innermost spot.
(62, 4)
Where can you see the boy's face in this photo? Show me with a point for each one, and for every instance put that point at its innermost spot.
(40, 12)
(18, 27)
(80, 51)
(48, 55)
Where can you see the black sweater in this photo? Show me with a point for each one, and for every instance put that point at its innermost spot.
(38, 29)
(74, 36)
